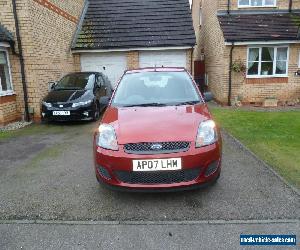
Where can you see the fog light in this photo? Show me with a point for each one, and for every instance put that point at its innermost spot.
(104, 173)
(86, 113)
(211, 168)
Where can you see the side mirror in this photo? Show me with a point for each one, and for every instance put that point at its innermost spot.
(104, 100)
(51, 85)
(208, 96)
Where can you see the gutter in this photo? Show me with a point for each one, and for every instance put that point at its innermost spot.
(21, 58)
(230, 74)
(228, 6)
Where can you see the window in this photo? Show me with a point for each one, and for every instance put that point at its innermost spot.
(267, 61)
(257, 3)
(5, 77)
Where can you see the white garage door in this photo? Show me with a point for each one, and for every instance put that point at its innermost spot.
(170, 58)
(111, 64)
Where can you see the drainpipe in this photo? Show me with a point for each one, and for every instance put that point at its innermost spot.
(230, 74)
(290, 5)
(228, 7)
(21, 58)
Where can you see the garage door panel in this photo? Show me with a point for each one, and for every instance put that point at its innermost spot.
(112, 65)
(174, 58)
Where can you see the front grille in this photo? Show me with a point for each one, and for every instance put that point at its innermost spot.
(161, 177)
(64, 105)
(163, 147)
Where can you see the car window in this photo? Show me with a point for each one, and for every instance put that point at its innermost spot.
(100, 81)
(168, 88)
(76, 81)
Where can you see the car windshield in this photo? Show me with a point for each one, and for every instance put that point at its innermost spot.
(76, 81)
(155, 89)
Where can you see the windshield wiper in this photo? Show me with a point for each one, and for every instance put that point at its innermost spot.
(151, 104)
(187, 103)
(69, 88)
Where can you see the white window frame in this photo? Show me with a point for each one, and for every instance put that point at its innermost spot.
(274, 61)
(252, 6)
(200, 17)
(7, 92)
(299, 59)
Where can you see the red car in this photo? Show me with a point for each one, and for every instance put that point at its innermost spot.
(157, 134)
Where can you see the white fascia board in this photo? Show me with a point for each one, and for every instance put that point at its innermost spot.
(264, 42)
(131, 49)
(4, 44)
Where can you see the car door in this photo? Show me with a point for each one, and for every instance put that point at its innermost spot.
(101, 89)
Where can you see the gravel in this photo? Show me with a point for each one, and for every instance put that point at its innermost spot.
(14, 126)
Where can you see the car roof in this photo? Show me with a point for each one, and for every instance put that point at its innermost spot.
(156, 69)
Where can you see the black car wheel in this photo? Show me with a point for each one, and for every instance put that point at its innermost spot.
(96, 112)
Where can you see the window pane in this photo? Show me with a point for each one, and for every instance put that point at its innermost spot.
(244, 2)
(281, 67)
(269, 2)
(267, 68)
(4, 73)
(256, 2)
(267, 54)
(253, 54)
(282, 53)
(253, 68)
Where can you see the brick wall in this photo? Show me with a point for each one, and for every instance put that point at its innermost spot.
(132, 59)
(256, 90)
(197, 4)
(210, 40)
(281, 4)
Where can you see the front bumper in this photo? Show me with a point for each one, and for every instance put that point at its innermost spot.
(83, 113)
(197, 160)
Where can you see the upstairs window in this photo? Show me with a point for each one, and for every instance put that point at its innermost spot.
(5, 78)
(257, 3)
(267, 61)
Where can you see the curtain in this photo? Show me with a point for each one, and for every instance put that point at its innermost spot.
(253, 56)
(271, 52)
(281, 59)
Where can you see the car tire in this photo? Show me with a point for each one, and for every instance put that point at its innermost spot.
(96, 112)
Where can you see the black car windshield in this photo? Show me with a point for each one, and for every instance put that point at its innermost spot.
(76, 81)
(155, 89)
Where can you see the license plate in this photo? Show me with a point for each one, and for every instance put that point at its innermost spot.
(157, 164)
(61, 112)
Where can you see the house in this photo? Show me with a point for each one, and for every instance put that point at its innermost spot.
(117, 35)
(248, 50)
(41, 40)
(35, 39)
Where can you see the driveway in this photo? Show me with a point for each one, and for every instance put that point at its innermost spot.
(49, 177)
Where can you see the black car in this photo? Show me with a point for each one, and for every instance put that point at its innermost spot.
(77, 96)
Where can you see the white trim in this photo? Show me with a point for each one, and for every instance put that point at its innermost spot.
(131, 49)
(264, 42)
(253, 6)
(274, 62)
(7, 92)
(4, 44)
(299, 59)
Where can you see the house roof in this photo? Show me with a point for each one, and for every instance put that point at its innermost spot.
(242, 27)
(5, 35)
(119, 24)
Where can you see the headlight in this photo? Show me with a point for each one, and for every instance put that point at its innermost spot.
(77, 104)
(47, 104)
(207, 133)
(107, 137)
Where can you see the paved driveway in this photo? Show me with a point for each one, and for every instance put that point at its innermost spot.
(50, 177)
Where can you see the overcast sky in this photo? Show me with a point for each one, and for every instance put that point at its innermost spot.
(191, 2)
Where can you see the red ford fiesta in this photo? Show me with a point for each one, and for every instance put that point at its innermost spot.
(157, 134)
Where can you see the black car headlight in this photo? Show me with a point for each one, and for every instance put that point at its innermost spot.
(47, 104)
(78, 104)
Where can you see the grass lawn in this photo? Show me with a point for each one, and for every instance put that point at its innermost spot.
(273, 136)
